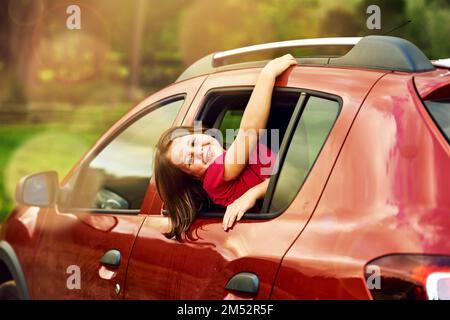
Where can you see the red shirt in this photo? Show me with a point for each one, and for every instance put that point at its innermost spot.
(259, 167)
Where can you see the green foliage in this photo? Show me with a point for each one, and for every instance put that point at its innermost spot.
(340, 22)
(430, 27)
(57, 145)
(59, 98)
(11, 137)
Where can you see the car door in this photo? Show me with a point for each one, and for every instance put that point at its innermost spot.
(86, 240)
(214, 263)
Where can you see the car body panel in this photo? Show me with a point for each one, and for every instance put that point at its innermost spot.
(429, 82)
(387, 194)
(48, 241)
(378, 187)
(165, 269)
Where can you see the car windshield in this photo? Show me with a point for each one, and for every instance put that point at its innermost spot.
(440, 111)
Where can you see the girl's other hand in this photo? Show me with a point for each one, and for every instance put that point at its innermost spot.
(277, 66)
(236, 210)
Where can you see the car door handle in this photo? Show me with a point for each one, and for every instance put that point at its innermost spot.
(244, 282)
(111, 258)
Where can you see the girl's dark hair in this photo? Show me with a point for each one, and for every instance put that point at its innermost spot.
(183, 195)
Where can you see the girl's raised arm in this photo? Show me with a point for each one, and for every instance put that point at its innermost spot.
(254, 117)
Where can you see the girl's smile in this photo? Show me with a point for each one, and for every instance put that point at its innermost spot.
(194, 153)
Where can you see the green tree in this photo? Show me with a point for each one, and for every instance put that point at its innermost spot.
(341, 22)
(430, 28)
(16, 25)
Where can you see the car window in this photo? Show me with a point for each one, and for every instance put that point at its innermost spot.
(309, 136)
(440, 111)
(117, 178)
(231, 120)
(223, 109)
(234, 102)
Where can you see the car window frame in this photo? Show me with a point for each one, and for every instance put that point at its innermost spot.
(106, 141)
(286, 144)
(434, 118)
(208, 103)
(284, 147)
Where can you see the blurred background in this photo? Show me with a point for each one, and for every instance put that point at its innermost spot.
(60, 89)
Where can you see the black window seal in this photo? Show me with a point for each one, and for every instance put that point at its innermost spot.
(435, 121)
(205, 108)
(296, 115)
(271, 189)
(306, 94)
(142, 113)
(208, 102)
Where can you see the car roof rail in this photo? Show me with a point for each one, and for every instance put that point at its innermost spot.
(219, 57)
(372, 52)
(443, 63)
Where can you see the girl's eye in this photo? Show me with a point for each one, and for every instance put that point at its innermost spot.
(193, 142)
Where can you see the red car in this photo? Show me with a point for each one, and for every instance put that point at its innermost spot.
(359, 208)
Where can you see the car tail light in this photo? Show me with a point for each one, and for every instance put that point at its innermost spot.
(403, 276)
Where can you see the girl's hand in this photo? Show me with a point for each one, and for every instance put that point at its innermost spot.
(277, 66)
(236, 210)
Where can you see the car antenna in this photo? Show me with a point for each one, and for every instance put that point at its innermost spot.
(398, 27)
(392, 30)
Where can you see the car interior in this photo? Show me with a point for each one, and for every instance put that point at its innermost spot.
(224, 109)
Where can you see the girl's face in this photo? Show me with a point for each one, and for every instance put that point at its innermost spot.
(194, 153)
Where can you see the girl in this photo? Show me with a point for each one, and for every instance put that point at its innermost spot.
(191, 167)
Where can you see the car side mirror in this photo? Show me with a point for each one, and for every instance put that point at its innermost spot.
(40, 189)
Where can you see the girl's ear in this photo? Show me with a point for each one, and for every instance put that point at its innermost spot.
(164, 212)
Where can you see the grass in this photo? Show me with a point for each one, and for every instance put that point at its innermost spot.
(27, 148)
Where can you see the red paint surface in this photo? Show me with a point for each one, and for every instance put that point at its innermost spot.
(379, 186)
